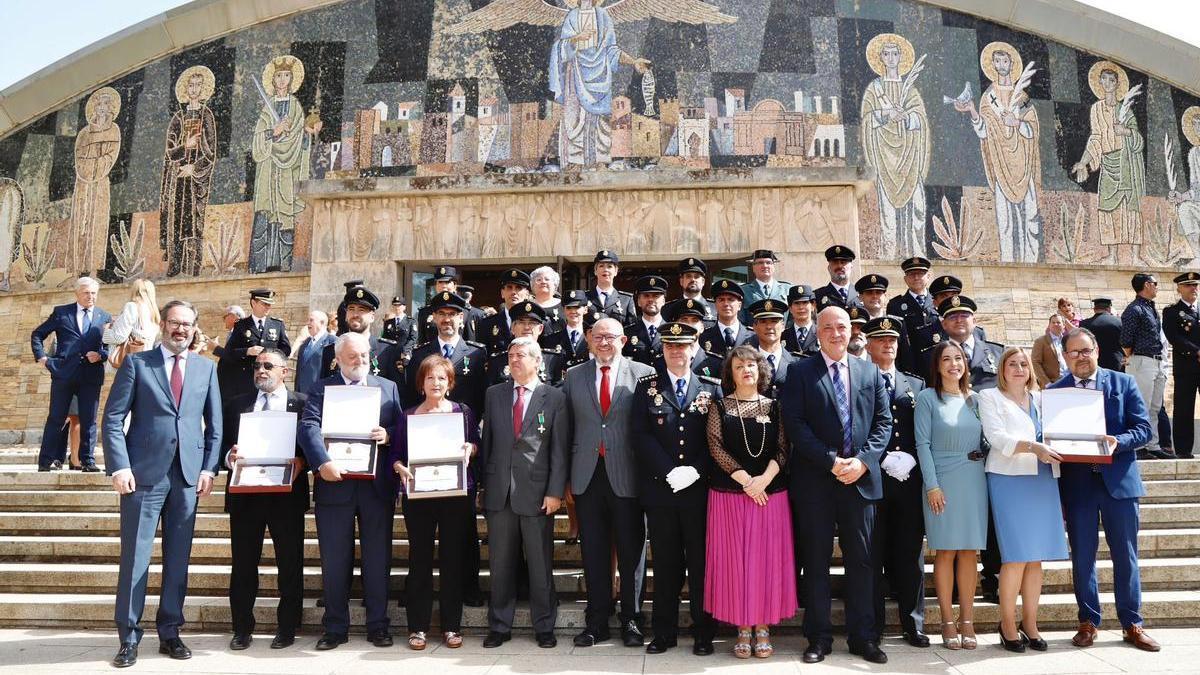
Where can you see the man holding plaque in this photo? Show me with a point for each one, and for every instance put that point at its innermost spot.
(526, 429)
(250, 515)
(1106, 492)
(340, 502)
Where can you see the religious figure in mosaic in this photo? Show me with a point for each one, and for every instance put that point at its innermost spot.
(896, 141)
(188, 162)
(1008, 130)
(96, 148)
(12, 207)
(1116, 149)
(1186, 201)
(281, 148)
(585, 57)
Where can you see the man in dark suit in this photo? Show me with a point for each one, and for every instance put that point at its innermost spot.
(604, 296)
(227, 368)
(360, 306)
(1181, 323)
(1106, 492)
(160, 466)
(800, 333)
(839, 292)
(727, 331)
(399, 328)
(251, 515)
(604, 480)
(1107, 329)
(899, 531)
(767, 316)
(836, 411)
(310, 351)
(340, 502)
(527, 466)
(496, 331)
(643, 333)
(76, 371)
(669, 422)
(250, 336)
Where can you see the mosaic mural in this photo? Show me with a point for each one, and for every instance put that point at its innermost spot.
(989, 144)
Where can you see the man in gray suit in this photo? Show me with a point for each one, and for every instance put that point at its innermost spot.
(604, 479)
(525, 433)
(159, 467)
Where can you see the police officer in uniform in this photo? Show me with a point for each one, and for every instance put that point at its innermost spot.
(899, 520)
(495, 332)
(445, 280)
(400, 329)
(763, 283)
(528, 320)
(692, 275)
(569, 341)
(670, 417)
(922, 338)
(691, 313)
(604, 296)
(768, 338)
(1181, 323)
(916, 305)
(341, 310)
(250, 336)
(360, 306)
(1107, 329)
(644, 344)
(728, 331)
(473, 316)
(839, 260)
(871, 289)
(800, 334)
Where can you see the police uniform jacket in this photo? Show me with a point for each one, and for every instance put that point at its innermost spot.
(1182, 327)
(640, 346)
(713, 338)
(470, 374)
(668, 435)
(792, 344)
(828, 295)
(245, 334)
(495, 333)
(915, 315)
(401, 331)
(620, 305)
(903, 403)
(1107, 329)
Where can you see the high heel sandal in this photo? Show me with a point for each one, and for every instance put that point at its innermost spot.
(1016, 646)
(763, 649)
(742, 648)
(416, 641)
(1037, 644)
(968, 641)
(951, 643)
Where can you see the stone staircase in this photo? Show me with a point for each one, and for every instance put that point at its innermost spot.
(59, 549)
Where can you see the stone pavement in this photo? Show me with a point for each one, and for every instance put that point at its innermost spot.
(75, 652)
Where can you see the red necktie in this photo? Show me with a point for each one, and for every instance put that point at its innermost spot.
(519, 411)
(605, 398)
(177, 380)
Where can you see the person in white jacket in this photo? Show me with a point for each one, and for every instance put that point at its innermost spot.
(138, 320)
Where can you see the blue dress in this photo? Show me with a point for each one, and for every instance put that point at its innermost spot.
(946, 431)
(1027, 512)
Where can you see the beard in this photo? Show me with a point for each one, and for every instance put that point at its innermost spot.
(357, 373)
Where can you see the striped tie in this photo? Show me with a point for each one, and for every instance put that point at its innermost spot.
(843, 404)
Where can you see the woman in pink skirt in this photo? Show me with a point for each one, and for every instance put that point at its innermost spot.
(750, 578)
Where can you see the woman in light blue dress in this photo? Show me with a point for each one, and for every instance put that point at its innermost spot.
(948, 438)
(1022, 476)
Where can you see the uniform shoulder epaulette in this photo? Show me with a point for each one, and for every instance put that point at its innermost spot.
(475, 344)
(995, 344)
(799, 353)
(913, 376)
(648, 378)
(625, 293)
(715, 355)
(710, 380)
(422, 345)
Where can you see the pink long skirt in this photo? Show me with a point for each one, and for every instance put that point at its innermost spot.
(750, 571)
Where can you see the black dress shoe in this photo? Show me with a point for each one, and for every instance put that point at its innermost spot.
(474, 599)
(660, 645)
(44, 469)
(380, 638)
(631, 634)
(331, 641)
(56, 465)
(240, 641)
(90, 468)
(1162, 454)
(589, 639)
(546, 640)
(1183, 455)
(283, 641)
(702, 647)
(870, 651)
(126, 655)
(174, 648)
(816, 653)
(75, 467)
(1036, 644)
(495, 639)
(916, 639)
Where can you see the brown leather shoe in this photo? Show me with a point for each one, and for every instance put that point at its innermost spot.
(1086, 635)
(1137, 637)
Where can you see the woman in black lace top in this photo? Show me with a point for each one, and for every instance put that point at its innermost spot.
(750, 579)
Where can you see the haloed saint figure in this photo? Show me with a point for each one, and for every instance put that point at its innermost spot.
(188, 162)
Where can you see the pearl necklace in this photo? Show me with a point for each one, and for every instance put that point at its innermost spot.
(762, 441)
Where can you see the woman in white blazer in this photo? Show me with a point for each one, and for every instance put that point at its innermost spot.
(1022, 476)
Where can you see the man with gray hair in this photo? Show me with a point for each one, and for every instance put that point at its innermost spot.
(310, 350)
(76, 371)
(227, 368)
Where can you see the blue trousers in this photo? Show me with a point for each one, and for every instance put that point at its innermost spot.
(335, 534)
(1084, 510)
(54, 443)
(174, 501)
(842, 508)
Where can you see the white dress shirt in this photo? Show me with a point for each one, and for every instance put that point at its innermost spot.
(79, 316)
(529, 388)
(278, 399)
(612, 376)
(442, 344)
(843, 371)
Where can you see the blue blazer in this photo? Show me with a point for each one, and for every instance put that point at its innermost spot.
(313, 444)
(308, 362)
(815, 431)
(69, 361)
(1126, 418)
(157, 429)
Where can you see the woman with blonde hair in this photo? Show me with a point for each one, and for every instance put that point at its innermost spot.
(138, 321)
(1022, 478)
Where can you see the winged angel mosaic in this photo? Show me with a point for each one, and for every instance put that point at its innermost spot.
(585, 57)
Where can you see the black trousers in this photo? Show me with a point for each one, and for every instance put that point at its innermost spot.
(677, 536)
(469, 569)
(605, 519)
(446, 520)
(1187, 381)
(899, 548)
(253, 515)
(814, 522)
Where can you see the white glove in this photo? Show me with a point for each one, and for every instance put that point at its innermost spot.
(898, 465)
(681, 477)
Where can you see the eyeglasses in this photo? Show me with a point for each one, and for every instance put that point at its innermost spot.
(1080, 353)
(172, 323)
(267, 366)
(605, 338)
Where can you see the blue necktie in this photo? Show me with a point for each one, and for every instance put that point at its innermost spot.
(680, 394)
(842, 292)
(574, 340)
(843, 404)
(771, 360)
(728, 339)
(887, 378)
(87, 320)
(446, 351)
(653, 332)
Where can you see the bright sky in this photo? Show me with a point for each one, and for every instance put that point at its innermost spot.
(34, 38)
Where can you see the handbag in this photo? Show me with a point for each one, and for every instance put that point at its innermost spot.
(117, 353)
(985, 446)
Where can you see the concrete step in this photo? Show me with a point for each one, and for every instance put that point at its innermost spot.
(1058, 611)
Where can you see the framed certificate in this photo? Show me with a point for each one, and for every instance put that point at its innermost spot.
(355, 457)
(435, 456)
(347, 418)
(437, 479)
(267, 459)
(1073, 425)
(264, 478)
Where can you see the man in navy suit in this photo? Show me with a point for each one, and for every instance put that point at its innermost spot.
(165, 460)
(311, 350)
(339, 501)
(1107, 493)
(836, 410)
(76, 370)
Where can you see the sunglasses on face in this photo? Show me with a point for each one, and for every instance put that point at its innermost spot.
(266, 366)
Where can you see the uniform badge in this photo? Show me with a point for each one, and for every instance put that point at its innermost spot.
(904, 307)
(633, 340)
(708, 345)
(507, 371)
(937, 337)
(272, 334)
(558, 348)
(359, 294)
(495, 330)
(466, 365)
(658, 400)
(653, 390)
(541, 419)
(955, 302)
(248, 333)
